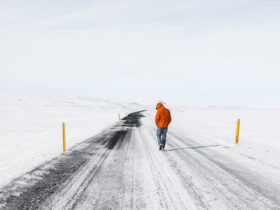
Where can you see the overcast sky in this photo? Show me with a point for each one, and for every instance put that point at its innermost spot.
(193, 52)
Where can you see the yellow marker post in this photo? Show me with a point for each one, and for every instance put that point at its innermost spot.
(237, 131)
(119, 116)
(63, 134)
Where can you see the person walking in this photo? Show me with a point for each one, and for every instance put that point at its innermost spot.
(163, 118)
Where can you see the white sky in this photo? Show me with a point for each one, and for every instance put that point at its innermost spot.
(193, 52)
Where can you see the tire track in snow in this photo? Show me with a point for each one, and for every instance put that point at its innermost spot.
(246, 188)
(203, 170)
(109, 180)
(192, 193)
(195, 177)
(134, 177)
(170, 192)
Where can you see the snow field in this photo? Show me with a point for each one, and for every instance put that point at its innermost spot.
(31, 130)
(259, 129)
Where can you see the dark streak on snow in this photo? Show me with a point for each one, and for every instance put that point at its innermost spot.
(32, 189)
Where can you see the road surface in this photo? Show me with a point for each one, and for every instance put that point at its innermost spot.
(122, 168)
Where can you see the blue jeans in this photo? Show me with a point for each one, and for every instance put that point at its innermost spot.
(161, 136)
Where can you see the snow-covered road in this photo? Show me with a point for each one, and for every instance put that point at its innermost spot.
(122, 168)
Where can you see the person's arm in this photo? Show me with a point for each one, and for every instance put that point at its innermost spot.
(170, 119)
(157, 117)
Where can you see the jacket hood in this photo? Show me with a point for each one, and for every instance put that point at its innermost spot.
(159, 105)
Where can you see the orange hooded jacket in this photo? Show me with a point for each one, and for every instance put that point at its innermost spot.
(163, 116)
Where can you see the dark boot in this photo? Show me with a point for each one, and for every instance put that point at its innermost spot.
(160, 147)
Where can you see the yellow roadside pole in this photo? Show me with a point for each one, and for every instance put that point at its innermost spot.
(237, 131)
(64, 140)
(119, 116)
